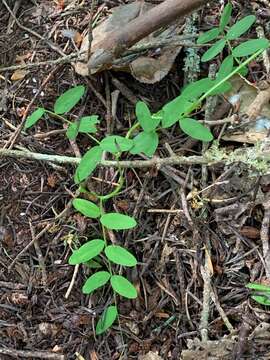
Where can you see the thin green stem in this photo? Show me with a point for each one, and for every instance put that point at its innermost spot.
(93, 138)
(231, 50)
(133, 128)
(121, 179)
(119, 186)
(106, 244)
(58, 116)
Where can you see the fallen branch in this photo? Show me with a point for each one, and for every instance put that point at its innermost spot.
(117, 42)
(248, 156)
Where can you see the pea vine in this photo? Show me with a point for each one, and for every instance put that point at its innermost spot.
(142, 137)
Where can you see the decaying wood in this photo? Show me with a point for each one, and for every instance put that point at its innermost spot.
(119, 41)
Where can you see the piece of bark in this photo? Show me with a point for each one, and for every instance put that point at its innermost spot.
(119, 41)
(258, 104)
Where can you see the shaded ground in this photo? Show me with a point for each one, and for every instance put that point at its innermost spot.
(172, 234)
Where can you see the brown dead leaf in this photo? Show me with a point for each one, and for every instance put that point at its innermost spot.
(60, 4)
(149, 68)
(123, 205)
(52, 180)
(19, 75)
(255, 105)
(22, 58)
(78, 38)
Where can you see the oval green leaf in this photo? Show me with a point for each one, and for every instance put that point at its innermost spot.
(194, 90)
(123, 287)
(96, 281)
(88, 163)
(120, 255)
(146, 143)
(68, 99)
(115, 144)
(208, 36)
(144, 116)
(221, 89)
(86, 252)
(195, 129)
(264, 300)
(108, 317)
(258, 287)
(87, 208)
(173, 110)
(225, 16)
(250, 47)
(33, 118)
(115, 221)
(240, 27)
(214, 50)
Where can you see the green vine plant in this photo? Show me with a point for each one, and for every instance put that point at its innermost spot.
(98, 254)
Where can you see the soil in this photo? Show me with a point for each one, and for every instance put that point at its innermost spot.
(193, 247)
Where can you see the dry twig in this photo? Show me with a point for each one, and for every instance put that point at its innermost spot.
(31, 354)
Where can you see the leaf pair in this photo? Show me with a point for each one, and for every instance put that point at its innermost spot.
(92, 248)
(119, 284)
(63, 104)
(112, 221)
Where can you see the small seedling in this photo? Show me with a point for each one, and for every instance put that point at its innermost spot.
(98, 254)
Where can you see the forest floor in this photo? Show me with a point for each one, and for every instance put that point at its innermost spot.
(202, 232)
